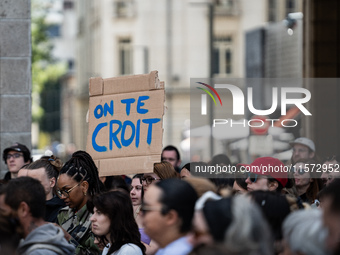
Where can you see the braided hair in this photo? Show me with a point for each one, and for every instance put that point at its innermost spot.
(81, 167)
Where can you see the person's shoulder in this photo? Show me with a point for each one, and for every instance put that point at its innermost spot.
(129, 249)
(43, 252)
(64, 214)
(7, 176)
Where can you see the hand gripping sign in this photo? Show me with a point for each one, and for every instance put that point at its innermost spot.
(126, 123)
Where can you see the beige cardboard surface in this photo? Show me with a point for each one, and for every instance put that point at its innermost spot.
(126, 126)
(96, 86)
(132, 83)
(132, 165)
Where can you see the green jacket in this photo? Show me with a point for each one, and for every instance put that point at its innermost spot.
(78, 225)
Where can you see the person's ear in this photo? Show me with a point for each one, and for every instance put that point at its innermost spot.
(171, 217)
(23, 210)
(273, 185)
(52, 182)
(84, 187)
(102, 179)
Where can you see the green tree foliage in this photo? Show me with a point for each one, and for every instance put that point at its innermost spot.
(46, 74)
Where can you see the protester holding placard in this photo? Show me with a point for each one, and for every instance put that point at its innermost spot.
(125, 123)
(77, 182)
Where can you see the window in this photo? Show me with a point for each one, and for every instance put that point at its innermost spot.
(222, 56)
(53, 30)
(68, 5)
(272, 10)
(125, 56)
(123, 8)
(290, 6)
(227, 7)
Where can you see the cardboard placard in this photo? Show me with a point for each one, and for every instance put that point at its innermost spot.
(126, 123)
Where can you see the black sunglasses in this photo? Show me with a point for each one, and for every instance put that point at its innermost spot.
(252, 177)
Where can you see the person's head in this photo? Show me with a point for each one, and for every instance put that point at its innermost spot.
(9, 234)
(116, 182)
(136, 189)
(275, 208)
(221, 160)
(168, 209)
(77, 180)
(331, 213)
(201, 234)
(113, 220)
(161, 171)
(330, 169)
(240, 185)
(303, 148)
(236, 222)
(307, 181)
(265, 173)
(24, 199)
(171, 154)
(192, 166)
(16, 156)
(304, 233)
(46, 170)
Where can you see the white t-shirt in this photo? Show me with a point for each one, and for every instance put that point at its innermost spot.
(126, 249)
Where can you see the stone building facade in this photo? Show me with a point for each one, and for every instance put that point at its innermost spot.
(15, 74)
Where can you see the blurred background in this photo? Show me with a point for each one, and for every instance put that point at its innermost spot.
(66, 42)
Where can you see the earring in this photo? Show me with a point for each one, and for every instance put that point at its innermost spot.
(85, 193)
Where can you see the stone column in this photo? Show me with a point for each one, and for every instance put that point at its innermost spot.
(15, 74)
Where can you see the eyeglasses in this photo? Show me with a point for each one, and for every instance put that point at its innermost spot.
(137, 187)
(253, 177)
(148, 179)
(144, 209)
(15, 155)
(66, 193)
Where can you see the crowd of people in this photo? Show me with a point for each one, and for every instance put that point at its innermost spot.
(264, 208)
